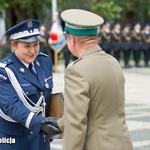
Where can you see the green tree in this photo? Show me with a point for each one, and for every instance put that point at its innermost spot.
(111, 10)
(135, 10)
(23, 9)
(3, 4)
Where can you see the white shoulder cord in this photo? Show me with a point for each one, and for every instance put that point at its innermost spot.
(6, 117)
(36, 109)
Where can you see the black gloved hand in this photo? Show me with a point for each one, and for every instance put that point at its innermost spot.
(51, 120)
(49, 126)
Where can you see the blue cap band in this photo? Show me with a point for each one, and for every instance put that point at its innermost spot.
(81, 31)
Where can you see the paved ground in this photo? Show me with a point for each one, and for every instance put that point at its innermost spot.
(137, 90)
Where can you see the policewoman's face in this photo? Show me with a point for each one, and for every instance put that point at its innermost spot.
(27, 52)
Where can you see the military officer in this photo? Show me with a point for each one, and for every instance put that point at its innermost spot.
(105, 36)
(146, 43)
(116, 40)
(126, 44)
(94, 119)
(25, 88)
(136, 43)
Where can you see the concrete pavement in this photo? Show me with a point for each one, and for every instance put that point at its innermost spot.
(137, 89)
(137, 92)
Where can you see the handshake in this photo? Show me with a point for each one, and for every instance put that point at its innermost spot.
(50, 127)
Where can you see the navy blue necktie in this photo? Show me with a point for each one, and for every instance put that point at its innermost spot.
(32, 70)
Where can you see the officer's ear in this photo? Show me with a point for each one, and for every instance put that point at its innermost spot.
(13, 45)
(72, 40)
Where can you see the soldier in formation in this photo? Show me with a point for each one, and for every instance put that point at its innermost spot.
(136, 43)
(105, 39)
(116, 40)
(146, 43)
(125, 42)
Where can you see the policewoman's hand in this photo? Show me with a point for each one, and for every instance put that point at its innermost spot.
(49, 126)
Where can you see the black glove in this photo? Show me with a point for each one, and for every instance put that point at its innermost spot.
(49, 126)
(51, 120)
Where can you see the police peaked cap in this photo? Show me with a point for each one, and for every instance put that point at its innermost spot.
(26, 31)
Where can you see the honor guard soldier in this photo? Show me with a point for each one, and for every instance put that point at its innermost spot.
(136, 43)
(126, 44)
(94, 119)
(116, 40)
(146, 43)
(25, 88)
(105, 36)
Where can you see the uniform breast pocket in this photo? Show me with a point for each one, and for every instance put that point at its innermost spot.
(29, 89)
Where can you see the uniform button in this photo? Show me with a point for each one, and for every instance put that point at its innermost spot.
(31, 132)
(27, 93)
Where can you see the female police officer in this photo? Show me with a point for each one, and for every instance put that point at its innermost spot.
(25, 92)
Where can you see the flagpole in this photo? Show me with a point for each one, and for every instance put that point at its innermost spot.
(54, 9)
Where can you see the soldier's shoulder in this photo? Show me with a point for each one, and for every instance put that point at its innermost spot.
(74, 62)
(132, 31)
(142, 31)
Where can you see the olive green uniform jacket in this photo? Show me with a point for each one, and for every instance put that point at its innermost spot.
(94, 113)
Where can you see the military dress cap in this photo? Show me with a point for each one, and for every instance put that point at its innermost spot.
(146, 25)
(106, 23)
(26, 31)
(128, 25)
(81, 22)
(116, 24)
(137, 24)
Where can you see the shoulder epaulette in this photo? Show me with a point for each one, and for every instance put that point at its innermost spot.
(42, 54)
(2, 65)
(72, 63)
(5, 63)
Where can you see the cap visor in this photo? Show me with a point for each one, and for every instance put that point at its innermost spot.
(30, 39)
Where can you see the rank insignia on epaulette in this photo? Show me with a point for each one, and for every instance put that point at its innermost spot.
(43, 54)
(3, 76)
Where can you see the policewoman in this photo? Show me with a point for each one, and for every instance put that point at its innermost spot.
(25, 88)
